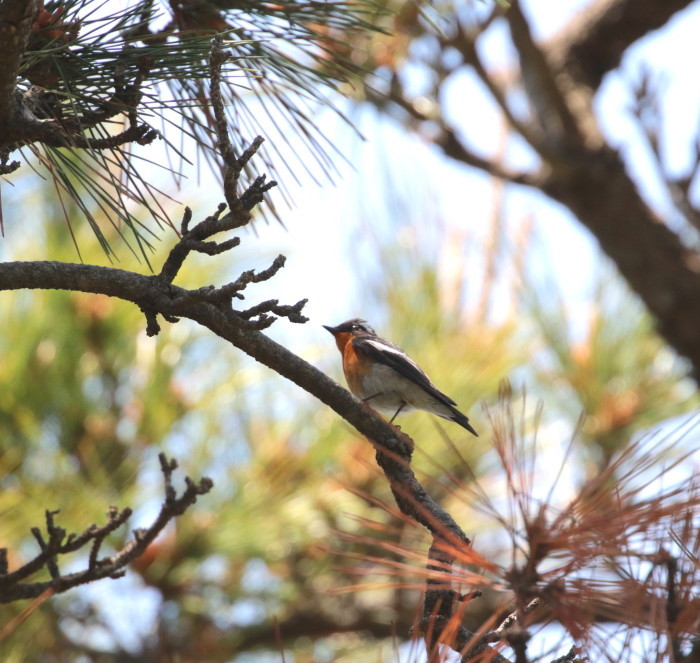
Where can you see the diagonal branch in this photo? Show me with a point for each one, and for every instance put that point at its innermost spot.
(212, 308)
(465, 42)
(449, 142)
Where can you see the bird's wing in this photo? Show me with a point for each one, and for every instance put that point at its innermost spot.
(393, 356)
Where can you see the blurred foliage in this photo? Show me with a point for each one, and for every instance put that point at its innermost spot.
(609, 364)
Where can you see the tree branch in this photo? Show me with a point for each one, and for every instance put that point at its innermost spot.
(440, 622)
(455, 149)
(11, 586)
(465, 42)
(171, 300)
(447, 138)
(212, 308)
(592, 182)
(594, 41)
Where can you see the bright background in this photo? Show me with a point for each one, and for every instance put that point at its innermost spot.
(401, 237)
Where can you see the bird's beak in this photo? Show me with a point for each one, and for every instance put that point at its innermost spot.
(330, 329)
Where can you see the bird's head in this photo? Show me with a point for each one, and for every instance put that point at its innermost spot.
(347, 330)
(355, 326)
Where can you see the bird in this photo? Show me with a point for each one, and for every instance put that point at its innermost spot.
(385, 377)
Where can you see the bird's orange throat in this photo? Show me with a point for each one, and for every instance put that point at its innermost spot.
(353, 367)
(341, 340)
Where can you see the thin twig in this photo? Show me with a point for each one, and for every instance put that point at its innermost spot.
(11, 586)
(500, 632)
(570, 657)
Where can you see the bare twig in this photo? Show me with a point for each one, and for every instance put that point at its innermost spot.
(293, 312)
(233, 166)
(232, 170)
(240, 207)
(198, 238)
(58, 544)
(501, 632)
(193, 239)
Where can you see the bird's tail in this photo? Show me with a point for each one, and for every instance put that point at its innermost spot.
(463, 421)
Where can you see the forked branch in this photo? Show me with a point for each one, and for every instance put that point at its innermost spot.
(56, 544)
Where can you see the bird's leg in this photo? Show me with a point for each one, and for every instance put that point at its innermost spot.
(369, 398)
(396, 414)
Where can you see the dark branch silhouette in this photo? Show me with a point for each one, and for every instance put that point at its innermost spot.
(57, 543)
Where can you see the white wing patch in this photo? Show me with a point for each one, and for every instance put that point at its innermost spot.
(395, 351)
